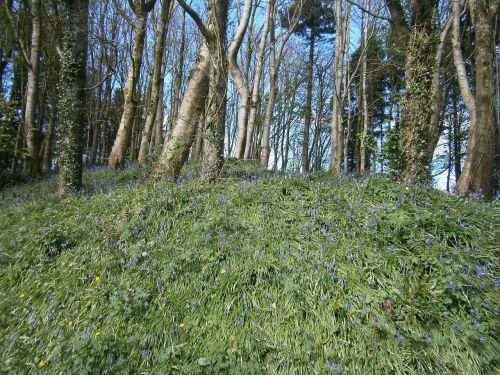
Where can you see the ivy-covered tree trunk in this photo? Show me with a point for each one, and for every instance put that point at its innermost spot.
(418, 41)
(72, 96)
(415, 131)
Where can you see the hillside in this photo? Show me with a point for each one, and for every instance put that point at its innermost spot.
(257, 273)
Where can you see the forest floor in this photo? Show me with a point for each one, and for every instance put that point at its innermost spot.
(257, 273)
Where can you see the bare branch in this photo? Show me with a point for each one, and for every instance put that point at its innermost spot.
(197, 19)
(109, 74)
(122, 12)
(369, 12)
(14, 26)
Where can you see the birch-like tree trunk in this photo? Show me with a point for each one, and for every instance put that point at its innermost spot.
(252, 115)
(308, 105)
(72, 97)
(364, 97)
(122, 140)
(157, 81)
(238, 79)
(478, 170)
(273, 76)
(176, 149)
(337, 129)
(33, 59)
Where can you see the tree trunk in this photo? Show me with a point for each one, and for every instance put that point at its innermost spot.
(157, 81)
(198, 144)
(49, 137)
(478, 170)
(213, 145)
(239, 81)
(31, 129)
(72, 97)
(273, 76)
(256, 85)
(178, 76)
(117, 156)
(176, 149)
(158, 138)
(415, 134)
(418, 41)
(308, 109)
(364, 100)
(337, 128)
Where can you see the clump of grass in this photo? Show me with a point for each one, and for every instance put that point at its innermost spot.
(257, 273)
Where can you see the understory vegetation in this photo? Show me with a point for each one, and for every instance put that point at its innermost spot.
(255, 273)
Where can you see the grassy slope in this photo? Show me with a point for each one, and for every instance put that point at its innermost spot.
(265, 274)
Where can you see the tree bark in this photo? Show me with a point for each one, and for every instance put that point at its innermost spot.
(364, 99)
(157, 81)
(477, 173)
(308, 109)
(213, 145)
(30, 125)
(198, 144)
(418, 42)
(238, 80)
(176, 149)
(49, 137)
(117, 156)
(273, 76)
(178, 76)
(337, 128)
(252, 115)
(72, 97)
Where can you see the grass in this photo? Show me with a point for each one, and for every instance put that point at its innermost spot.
(255, 274)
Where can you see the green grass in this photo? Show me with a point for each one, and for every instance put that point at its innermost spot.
(254, 274)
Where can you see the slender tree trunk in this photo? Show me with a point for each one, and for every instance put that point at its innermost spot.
(179, 76)
(72, 97)
(273, 76)
(363, 152)
(238, 79)
(337, 128)
(49, 137)
(117, 156)
(308, 109)
(158, 138)
(252, 115)
(31, 130)
(157, 81)
(457, 152)
(437, 88)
